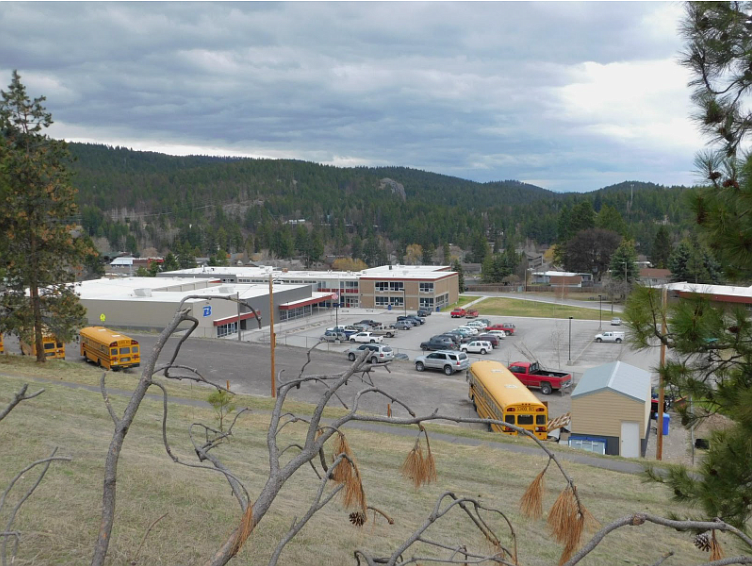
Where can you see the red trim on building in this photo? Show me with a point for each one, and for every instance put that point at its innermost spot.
(407, 279)
(311, 301)
(716, 298)
(234, 318)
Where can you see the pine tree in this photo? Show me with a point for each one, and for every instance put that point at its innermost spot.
(624, 263)
(457, 267)
(662, 248)
(40, 246)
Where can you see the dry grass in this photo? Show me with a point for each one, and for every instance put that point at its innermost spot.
(60, 521)
(461, 302)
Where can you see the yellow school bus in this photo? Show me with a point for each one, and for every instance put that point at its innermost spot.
(53, 348)
(109, 349)
(497, 394)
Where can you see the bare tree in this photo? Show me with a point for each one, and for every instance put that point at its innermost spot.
(8, 532)
(340, 477)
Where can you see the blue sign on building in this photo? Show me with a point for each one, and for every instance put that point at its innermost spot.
(207, 310)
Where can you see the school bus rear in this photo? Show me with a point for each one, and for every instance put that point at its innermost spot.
(109, 349)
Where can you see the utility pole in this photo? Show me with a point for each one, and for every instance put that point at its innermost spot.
(570, 341)
(272, 336)
(661, 393)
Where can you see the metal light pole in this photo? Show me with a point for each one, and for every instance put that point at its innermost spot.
(570, 341)
(404, 298)
(600, 318)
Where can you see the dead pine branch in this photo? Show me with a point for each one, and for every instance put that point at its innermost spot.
(18, 398)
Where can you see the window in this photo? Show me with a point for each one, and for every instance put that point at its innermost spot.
(113, 352)
(509, 419)
(382, 301)
(383, 286)
(524, 419)
(135, 349)
(442, 300)
(396, 301)
(426, 302)
(125, 351)
(295, 313)
(588, 444)
(426, 287)
(540, 419)
(227, 329)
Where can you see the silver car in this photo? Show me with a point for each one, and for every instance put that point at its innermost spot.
(447, 361)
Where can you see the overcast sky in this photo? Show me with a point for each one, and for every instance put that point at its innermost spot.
(566, 96)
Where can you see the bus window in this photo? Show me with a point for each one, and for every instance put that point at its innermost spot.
(113, 352)
(524, 419)
(48, 346)
(125, 351)
(135, 349)
(540, 419)
(509, 419)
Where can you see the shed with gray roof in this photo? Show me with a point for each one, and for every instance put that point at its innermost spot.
(611, 410)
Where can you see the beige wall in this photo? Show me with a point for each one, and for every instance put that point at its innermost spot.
(601, 413)
(448, 285)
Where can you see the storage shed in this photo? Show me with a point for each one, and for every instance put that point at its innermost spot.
(611, 410)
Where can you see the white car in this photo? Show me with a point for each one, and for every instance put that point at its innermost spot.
(473, 331)
(615, 322)
(477, 347)
(366, 338)
(477, 324)
(500, 334)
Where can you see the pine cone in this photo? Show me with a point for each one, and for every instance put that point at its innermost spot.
(702, 541)
(357, 518)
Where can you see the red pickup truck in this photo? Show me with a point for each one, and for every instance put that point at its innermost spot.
(508, 330)
(531, 375)
(458, 313)
(471, 313)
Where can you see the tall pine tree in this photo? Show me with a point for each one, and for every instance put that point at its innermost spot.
(40, 244)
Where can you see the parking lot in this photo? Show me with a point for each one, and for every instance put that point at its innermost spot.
(542, 339)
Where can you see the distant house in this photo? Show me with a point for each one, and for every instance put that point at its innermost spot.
(562, 279)
(652, 276)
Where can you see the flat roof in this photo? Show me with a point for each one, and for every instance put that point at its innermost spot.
(714, 290)
(163, 289)
(429, 272)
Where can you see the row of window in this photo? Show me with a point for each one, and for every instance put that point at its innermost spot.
(394, 301)
(389, 285)
(227, 329)
(295, 313)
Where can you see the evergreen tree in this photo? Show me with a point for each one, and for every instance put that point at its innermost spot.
(170, 263)
(624, 263)
(40, 250)
(692, 262)
(457, 267)
(427, 255)
(712, 361)
(662, 248)
(583, 217)
(609, 219)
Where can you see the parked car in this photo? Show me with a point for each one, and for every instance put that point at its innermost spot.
(493, 338)
(424, 311)
(477, 347)
(401, 356)
(334, 336)
(401, 325)
(485, 321)
(616, 322)
(379, 353)
(361, 327)
(348, 330)
(369, 322)
(508, 330)
(473, 331)
(532, 375)
(366, 338)
(611, 336)
(471, 313)
(438, 343)
(443, 360)
(476, 324)
(418, 319)
(458, 313)
(456, 338)
(500, 334)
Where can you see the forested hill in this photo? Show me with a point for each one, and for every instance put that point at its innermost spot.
(151, 199)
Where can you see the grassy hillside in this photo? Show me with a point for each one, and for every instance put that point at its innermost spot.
(60, 520)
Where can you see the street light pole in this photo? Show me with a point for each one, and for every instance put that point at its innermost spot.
(600, 318)
(404, 298)
(570, 341)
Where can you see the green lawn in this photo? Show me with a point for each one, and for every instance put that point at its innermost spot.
(520, 307)
(462, 301)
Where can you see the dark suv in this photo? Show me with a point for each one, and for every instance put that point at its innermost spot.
(439, 343)
(424, 311)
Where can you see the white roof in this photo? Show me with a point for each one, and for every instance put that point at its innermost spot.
(556, 273)
(382, 272)
(122, 261)
(166, 289)
(622, 378)
(723, 290)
